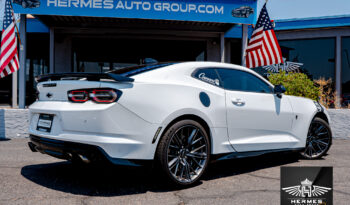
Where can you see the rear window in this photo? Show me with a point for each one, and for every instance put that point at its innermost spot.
(134, 70)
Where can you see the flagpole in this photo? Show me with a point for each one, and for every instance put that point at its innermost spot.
(244, 42)
(15, 74)
(15, 23)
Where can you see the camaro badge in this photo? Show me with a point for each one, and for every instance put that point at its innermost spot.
(306, 189)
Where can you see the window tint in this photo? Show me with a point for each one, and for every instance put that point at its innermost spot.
(242, 81)
(207, 75)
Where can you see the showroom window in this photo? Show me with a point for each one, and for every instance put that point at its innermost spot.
(345, 72)
(316, 55)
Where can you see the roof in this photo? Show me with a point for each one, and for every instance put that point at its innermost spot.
(314, 22)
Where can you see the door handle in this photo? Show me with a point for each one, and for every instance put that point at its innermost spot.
(238, 101)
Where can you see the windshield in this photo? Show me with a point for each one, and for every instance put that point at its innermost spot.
(134, 70)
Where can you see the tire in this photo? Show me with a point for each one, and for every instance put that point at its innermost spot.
(319, 139)
(184, 152)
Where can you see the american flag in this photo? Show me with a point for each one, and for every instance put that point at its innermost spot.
(8, 56)
(263, 48)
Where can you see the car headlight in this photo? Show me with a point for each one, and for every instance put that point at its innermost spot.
(318, 106)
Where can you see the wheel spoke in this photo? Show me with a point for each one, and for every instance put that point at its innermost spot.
(182, 170)
(175, 147)
(195, 161)
(177, 167)
(188, 175)
(172, 162)
(312, 147)
(197, 155)
(177, 140)
(197, 140)
(192, 136)
(319, 147)
(310, 151)
(321, 142)
(322, 133)
(201, 147)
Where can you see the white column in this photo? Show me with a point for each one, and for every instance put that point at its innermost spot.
(14, 89)
(22, 60)
(338, 79)
(222, 47)
(244, 41)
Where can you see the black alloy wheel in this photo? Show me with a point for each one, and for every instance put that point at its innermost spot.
(184, 152)
(319, 139)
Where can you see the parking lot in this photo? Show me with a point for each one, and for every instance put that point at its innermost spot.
(33, 178)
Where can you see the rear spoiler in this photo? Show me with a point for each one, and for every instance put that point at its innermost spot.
(88, 76)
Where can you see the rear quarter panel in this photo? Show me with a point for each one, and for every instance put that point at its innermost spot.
(162, 100)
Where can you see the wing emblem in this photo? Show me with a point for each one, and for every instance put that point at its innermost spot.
(293, 190)
(306, 189)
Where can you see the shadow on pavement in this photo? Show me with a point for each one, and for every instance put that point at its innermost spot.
(108, 180)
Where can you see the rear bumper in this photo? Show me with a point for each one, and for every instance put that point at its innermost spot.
(117, 131)
(70, 150)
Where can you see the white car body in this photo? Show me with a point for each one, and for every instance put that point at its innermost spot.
(126, 129)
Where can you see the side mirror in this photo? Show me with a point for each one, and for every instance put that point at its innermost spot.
(279, 90)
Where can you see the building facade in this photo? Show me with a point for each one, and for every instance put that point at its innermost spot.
(102, 35)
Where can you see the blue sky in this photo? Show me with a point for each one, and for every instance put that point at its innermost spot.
(287, 9)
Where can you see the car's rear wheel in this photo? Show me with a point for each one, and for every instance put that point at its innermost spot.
(184, 152)
(319, 139)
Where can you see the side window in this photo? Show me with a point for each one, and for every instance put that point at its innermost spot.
(242, 81)
(208, 75)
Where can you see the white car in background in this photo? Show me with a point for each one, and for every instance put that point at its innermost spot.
(180, 115)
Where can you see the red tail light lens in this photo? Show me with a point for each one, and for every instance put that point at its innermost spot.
(78, 96)
(104, 96)
(98, 95)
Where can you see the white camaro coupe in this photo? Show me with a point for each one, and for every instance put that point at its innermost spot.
(180, 115)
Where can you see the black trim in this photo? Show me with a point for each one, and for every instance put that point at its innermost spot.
(235, 155)
(88, 76)
(69, 150)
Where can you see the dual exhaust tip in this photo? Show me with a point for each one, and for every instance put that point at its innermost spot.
(68, 155)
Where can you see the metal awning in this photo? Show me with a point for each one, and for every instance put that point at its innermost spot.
(79, 22)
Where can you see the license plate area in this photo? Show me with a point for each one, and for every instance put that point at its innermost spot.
(44, 123)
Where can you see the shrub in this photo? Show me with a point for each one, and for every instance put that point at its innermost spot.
(297, 84)
(328, 97)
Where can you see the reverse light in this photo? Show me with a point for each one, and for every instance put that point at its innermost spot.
(104, 96)
(78, 96)
(98, 95)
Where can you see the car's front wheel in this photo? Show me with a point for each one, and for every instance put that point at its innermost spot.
(319, 139)
(184, 151)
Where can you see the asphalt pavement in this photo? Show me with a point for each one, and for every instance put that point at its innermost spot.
(33, 178)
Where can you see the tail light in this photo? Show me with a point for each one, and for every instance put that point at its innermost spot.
(104, 96)
(98, 95)
(78, 96)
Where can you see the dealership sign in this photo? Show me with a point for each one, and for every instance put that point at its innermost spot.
(223, 11)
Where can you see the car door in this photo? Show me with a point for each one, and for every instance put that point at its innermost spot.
(257, 119)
